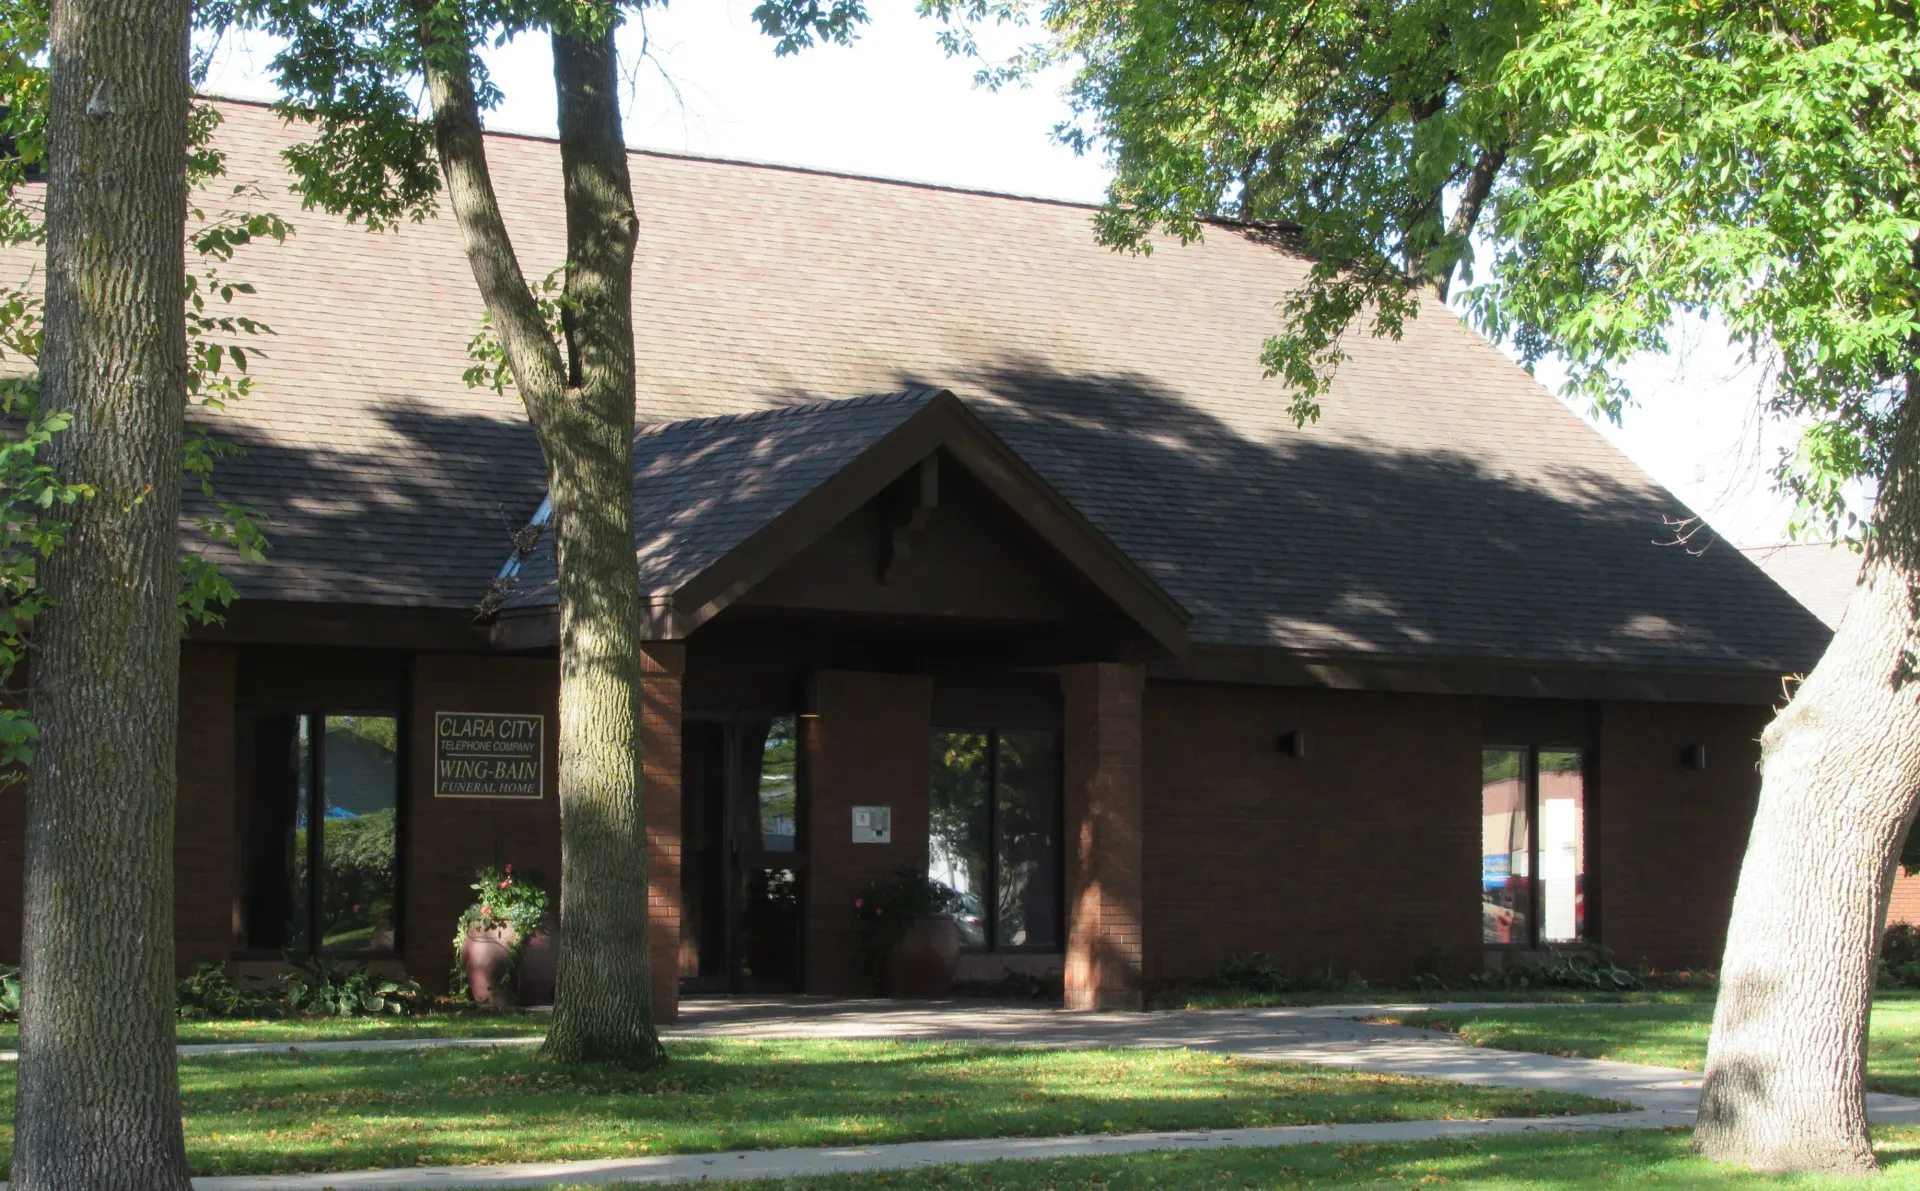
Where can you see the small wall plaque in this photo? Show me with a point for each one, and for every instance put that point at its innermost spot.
(872, 825)
(478, 754)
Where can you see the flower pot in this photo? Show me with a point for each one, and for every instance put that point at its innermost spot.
(486, 956)
(922, 964)
(533, 976)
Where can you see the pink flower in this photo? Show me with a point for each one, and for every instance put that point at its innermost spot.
(486, 911)
(858, 902)
(356, 907)
(507, 884)
(879, 910)
(509, 870)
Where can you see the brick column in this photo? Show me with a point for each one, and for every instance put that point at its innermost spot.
(203, 884)
(1102, 744)
(663, 666)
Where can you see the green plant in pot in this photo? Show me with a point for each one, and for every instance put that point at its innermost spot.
(909, 943)
(495, 930)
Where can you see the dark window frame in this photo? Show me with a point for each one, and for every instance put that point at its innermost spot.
(1536, 899)
(315, 858)
(990, 902)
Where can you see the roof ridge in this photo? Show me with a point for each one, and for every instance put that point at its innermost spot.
(820, 171)
(899, 396)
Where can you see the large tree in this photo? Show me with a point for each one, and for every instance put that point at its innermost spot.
(350, 70)
(1624, 164)
(98, 1102)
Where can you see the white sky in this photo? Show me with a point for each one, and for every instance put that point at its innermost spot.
(894, 105)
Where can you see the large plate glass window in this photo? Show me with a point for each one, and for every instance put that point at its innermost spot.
(319, 836)
(1533, 861)
(994, 835)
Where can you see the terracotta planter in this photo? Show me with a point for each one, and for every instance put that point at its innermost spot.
(486, 957)
(533, 976)
(922, 964)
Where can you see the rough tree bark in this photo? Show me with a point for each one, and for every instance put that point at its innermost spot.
(99, 1098)
(1785, 1083)
(581, 408)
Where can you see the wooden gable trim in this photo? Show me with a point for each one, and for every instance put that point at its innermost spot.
(944, 423)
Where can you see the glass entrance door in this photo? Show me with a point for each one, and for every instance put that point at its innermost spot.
(743, 879)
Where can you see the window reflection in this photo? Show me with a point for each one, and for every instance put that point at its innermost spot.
(779, 786)
(1562, 847)
(1505, 849)
(994, 834)
(358, 833)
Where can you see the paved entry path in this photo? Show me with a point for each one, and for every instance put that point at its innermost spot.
(1327, 1035)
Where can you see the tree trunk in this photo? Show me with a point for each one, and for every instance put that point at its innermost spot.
(582, 410)
(603, 1002)
(99, 1099)
(1786, 1066)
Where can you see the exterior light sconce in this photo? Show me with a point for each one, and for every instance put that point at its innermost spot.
(1694, 756)
(809, 697)
(1293, 744)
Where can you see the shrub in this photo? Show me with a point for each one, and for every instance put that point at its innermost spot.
(504, 900)
(208, 993)
(1900, 956)
(1593, 969)
(1254, 972)
(9, 993)
(329, 989)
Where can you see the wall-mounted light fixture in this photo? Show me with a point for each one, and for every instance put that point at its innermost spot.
(1694, 756)
(1293, 744)
(809, 696)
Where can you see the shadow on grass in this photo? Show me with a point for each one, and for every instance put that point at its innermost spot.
(267, 1114)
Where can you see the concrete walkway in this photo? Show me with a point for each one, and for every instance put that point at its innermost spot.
(1326, 1035)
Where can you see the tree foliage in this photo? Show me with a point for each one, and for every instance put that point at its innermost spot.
(32, 498)
(1620, 164)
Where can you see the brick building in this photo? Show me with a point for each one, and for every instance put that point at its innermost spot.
(972, 548)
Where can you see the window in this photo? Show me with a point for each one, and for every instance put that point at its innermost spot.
(1533, 846)
(319, 835)
(994, 835)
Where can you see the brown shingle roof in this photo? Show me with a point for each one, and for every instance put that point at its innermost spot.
(1444, 506)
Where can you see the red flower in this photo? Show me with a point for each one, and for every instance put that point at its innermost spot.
(879, 910)
(858, 902)
(509, 870)
(356, 907)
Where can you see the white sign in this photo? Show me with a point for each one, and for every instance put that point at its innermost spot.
(872, 825)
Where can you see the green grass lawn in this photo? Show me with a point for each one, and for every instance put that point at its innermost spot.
(334, 1029)
(264, 1114)
(1665, 1035)
(1547, 1163)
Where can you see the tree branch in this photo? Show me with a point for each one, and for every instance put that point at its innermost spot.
(531, 353)
(1479, 187)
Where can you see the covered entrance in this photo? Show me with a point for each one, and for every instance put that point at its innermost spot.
(879, 648)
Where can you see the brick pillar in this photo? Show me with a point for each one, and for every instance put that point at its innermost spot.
(663, 666)
(1103, 816)
(203, 884)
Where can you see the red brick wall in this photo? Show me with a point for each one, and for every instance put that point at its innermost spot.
(662, 666)
(1362, 854)
(867, 747)
(1102, 762)
(1671, 837)
(203, 816)
(447, 838)
(1905, 906)
(203, 813)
